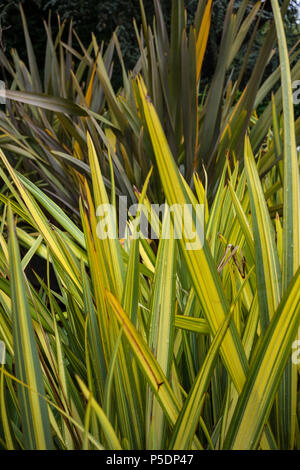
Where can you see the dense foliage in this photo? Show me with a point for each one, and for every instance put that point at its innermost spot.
(144, 341)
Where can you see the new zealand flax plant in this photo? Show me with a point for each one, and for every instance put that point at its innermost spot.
(140, 343)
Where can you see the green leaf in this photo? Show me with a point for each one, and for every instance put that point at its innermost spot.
(199, 261)
(287, 405)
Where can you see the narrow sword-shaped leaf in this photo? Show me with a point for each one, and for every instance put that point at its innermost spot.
(200, 263)
(34, 412)
(287, 398)
(161, 334)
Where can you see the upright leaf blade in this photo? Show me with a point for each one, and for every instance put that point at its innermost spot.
(257, 397)
(267, 263)
(161, 334)
(34, 412)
